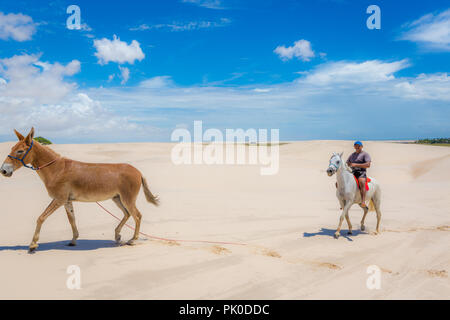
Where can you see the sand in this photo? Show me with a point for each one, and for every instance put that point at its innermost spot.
(287, 221)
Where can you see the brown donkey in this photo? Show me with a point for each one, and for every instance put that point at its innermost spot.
(69, 180)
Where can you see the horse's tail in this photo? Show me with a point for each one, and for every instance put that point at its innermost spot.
(148, 195)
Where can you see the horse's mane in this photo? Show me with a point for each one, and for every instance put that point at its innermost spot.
(346, 167)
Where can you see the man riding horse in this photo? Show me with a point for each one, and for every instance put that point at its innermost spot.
(359, 161)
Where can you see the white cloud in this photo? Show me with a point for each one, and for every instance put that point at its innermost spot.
(346, 80)
(36, 93)
(431, 30)
(117, 51)
(301, 50)
(125, 74)
(32, 81)
(185, 26)
(157, 82)
(85, 27)
(320, 102)
(354, 73)
(19, 27)
(210, 4)
(431, 87)
(262, 90)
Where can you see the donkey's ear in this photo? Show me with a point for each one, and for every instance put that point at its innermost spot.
(29, 137)
(19, 136)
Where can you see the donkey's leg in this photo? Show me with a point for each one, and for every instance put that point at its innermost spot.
(137, 216)
(347, 206)
(119, 203)
(128, 197)
(69, 210)
(55, 204)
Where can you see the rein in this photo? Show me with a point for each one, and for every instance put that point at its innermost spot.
(31, 167)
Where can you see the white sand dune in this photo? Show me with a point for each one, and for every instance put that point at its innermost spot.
(287, 220)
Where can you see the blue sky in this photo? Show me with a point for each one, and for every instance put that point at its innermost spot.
(136, 70)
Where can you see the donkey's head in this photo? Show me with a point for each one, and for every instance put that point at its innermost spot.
(335, 163)
(20, 154)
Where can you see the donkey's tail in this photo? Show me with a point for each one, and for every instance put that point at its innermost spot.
(148, 195)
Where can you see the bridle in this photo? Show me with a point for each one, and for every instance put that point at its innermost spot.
(27, 166)
(332, 164)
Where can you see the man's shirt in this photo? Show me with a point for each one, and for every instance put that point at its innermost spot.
(361, 157)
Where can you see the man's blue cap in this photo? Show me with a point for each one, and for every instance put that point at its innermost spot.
(358, 142)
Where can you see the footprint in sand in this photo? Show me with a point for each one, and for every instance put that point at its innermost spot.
(327, 265)
(389, 271)
(271, 253)
(414, 229)
(438, 273)
(219, 250)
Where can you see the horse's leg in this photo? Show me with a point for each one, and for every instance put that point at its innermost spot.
(347, 206)
(69, 210)
(349, 224)
(364, 218)
(376, 203)
(342, 203)
(126, 214)
(55, 204)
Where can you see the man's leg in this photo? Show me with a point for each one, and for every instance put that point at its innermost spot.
(362, 189)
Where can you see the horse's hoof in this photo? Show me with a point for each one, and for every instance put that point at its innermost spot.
(118, 238)
(32, 250)
(70, 244)
(349, 232)
(363, 228)
(130, 243)
(336, 235)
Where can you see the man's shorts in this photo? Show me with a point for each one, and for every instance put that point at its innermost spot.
(359, 174)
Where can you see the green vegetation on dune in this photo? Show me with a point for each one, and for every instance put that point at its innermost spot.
(43, 141)
(435, 141)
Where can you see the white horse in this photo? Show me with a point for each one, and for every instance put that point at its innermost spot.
(348, 193)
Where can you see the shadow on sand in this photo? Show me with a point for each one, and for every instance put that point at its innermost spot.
(82, 245)
(330, 233)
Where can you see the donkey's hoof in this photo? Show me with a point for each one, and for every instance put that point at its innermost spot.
(363, 228)
(336, 235)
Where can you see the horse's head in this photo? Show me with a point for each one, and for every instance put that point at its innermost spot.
(22, 153)
(335, 163)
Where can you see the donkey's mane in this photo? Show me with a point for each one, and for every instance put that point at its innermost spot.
(49, 150)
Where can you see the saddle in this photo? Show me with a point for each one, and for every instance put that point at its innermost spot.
(367, 183)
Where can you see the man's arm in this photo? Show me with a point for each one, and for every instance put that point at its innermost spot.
(361, 165)
(348, 160)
